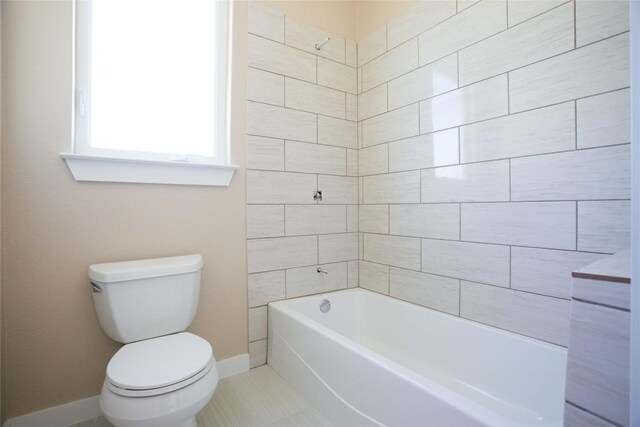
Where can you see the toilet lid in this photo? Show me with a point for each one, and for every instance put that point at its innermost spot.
(159, 362)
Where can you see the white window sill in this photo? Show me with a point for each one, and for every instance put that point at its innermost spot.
(112, 169)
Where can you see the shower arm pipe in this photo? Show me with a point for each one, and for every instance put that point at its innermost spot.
(321, 44)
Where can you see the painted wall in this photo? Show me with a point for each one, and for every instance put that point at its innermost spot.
(373, 14)
(55, 227)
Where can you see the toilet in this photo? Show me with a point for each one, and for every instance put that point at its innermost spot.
(162, 376)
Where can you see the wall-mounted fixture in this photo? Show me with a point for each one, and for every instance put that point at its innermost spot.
(321, 44)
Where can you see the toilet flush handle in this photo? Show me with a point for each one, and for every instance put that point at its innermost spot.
(95, 287)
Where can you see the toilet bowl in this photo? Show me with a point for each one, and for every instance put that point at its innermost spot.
(162, 376)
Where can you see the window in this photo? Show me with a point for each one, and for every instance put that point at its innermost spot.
(151, 89)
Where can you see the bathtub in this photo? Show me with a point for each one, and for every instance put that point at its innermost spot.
(374, 360)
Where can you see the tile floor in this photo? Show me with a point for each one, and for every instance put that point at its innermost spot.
(255, 398)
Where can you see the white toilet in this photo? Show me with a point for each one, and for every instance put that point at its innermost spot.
(162, 377)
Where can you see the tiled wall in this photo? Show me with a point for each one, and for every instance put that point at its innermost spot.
(301, 137)
(494, 156)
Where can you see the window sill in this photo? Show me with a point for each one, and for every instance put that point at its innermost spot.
(113, 169)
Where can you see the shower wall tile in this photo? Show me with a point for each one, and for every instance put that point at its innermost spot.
(352, 162)
(439, 221)
(305, 37)
(420, 17)
(475, 182)
(374, 160)
(352, 107)
(278, 122)
(478, 22)
(599, 173)
(425, 82)
(604, 226)
(338, 247)
(277, 58)
(352, 218)
(372, 46)
(463, 4)
(337, 76)
(533, 315)
(424, 151)
(374, 277)
(265, 87)
(265, 153)
(266, 287)
(341, 133)
(520, 134)
(374, 218)
(280, 187)
(257, 353)
(310, 97)
(539, 224)
(372, 102)
(352, 53)
(315, 158)
(266, 22)
(522, 10)
(542, 37)
(341, 190)
(592, 69)
(480, 101)
(282, 252)
(397, 124)
(468, 261)
(265, 221)
(439, 293)
(604, 119)
(576, 417)
(401, 187)
(392, 64)
(352, 274)
(596, 20)
(257, 323)
(315, 219)
(392, 250)
(307, 280)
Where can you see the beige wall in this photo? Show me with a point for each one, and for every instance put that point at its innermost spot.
(54, 227)
(372, 14)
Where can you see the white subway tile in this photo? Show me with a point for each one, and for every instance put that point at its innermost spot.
(545, 271)
(604, 226)
(467, 27)
(281, 252)
(340, 190)
(266, 22)
(352, 218)
(599, 19)
(540, 224)
(307, 281)
(441, 221)
(257, 353)
(480, 101)
(612, 294)
(541, 37)
(396, 124)
(315, 219)
(424, 151)
(278, 58)
(468, 261)
(352, 162)
(599, 173)
(266, 287)
(392, 64)
(257, 323)
(265, 153)
(278, 122)
(314, 158)
(420, 17)
(425, 82)
(337, 76)
(520, 134)
(266, 87)
(265, 221)
(522, 10)
(476, 182)
(280, 187)
(372, 46)
(305, 37)
(536, 316)
(392, 250)
(373, 160)
(352, 107)
(463, 4)
(316, 99)
(596, 68)
(401, 187)
(352, 53)
(352, 274)
(338, 247)
(604, 119)
(341, 133)
(374, 218)
(439, 293)
(374, 277)
(576, 417)
(372, 102)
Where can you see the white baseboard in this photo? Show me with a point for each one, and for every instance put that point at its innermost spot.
(85, 409)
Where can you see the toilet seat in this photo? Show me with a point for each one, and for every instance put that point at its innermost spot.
(159, 365)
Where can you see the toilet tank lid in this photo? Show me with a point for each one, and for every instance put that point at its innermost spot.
(144, 268)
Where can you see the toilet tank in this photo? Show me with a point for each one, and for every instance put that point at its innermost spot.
(137, 300)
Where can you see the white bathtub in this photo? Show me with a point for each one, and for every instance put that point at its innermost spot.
(375, 360)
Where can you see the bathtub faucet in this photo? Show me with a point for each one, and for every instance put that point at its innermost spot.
(320, 270)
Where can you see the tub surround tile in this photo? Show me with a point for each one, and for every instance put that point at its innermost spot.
(277, 122)
(352, 274)
(576, 417)
(468, 261)
(305, 37)
(305, 96)
(596, 20)
(277, 58)
(352, 53)
(372, 46)
(341, 133)
(374, 219)
(397, 124)
(266, 22)
(266, 287)
(307, 280)
(420, 17)
(374, 277)
(599, 173)
(604, 119)
(265, 153)
(352, 107)
(439, 293)
(337, 76)
(338, 247)
(440, 221)
(257, 353)
(372, 102)
(315, 219)
(257, 323)
(352, 218)
(522, 10)
(280, 253)
(589, 70)
(532, 315)
(400, 187)
(612, 294)
(373, 160)
(265, 221)
(352, 162)
(604, 226)
(315, 158)
(390, 65)
(392, 250)
(265, 187)
(340, 190)
(265, 87)
(478, 22)
(424, 151)
(463, 4)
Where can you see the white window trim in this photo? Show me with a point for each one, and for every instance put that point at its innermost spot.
(92, 164)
